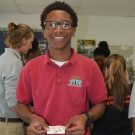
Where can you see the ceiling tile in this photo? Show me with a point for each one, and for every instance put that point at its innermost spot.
(32, 2)
(31, 9)
(132, 14)
(113, 4)
(73, 3)
(83, 7)
(9, 9)
(7, 2)
(102, 12)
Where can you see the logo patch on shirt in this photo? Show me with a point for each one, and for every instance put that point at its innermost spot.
(75, 81)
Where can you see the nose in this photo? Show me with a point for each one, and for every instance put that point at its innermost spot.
(58, 28)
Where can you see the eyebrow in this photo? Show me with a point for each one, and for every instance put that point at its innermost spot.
(58, 21)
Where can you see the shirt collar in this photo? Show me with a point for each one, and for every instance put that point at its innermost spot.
(14, 51)
(72, 60)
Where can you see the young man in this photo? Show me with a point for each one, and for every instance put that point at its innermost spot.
(61, 82)
(19, 42)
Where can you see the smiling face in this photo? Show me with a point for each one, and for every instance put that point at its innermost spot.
(58, 38)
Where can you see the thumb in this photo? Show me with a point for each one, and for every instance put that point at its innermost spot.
(70, 124)
(45, 127)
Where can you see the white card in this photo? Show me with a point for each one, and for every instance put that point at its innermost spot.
(56, 130)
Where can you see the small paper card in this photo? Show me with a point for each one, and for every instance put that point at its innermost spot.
(56, 130)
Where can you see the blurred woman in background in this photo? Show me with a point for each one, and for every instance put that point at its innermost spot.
(115, 119)
(18, 42)
(100, 54)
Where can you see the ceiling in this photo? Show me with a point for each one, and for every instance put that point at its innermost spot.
(123, 8)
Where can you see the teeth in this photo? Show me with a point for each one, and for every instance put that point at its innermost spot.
(58, 37)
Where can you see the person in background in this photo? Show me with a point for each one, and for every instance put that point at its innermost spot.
(131, 114)
(115, 119)
(58, 82)
(19, 42)
(33, 52)
(101, 53)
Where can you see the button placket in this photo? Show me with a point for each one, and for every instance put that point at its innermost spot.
(58, 75)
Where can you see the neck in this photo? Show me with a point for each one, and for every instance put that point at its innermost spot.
(60, 55)
(17, 49)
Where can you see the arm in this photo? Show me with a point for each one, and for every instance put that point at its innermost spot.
(10, 77)
(37, 123)
(26, 114)
(97, 110)
(79, 121)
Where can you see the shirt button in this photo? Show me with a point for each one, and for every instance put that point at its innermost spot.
(58, 80)
(59, 70)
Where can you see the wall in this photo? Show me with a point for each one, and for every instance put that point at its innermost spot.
(32, 20)
(118, 30)
(115, 30)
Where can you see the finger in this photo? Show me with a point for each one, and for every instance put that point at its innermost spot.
(75, 130)
(39, 127)
(69, 124)
(45, 127)
(36, 130)
(72, 129)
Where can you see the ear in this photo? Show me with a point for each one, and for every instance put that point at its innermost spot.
(24, 40)
(44, 34)
(73, 32)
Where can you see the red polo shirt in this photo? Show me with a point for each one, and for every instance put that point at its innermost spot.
(60, 93)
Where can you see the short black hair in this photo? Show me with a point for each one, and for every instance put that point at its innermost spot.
(57, 5)
(33, 49)
(102, 49)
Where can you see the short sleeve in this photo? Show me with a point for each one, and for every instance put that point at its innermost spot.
(132, 103)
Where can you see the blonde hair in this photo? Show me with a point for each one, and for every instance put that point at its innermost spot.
(115, 79)
(17, 33)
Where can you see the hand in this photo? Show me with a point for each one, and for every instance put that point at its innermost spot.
(76, 125)
(38, 126)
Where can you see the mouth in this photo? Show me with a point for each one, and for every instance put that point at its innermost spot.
(58, 38)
